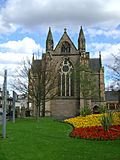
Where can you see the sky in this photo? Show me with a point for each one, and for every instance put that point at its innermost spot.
(24, 26)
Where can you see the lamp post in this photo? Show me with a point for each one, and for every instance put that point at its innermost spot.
(4, 105)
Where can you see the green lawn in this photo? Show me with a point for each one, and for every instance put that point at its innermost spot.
(48, 139)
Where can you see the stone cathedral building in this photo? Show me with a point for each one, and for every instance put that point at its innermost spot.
(67, 56)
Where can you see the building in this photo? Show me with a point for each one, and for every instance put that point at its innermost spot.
(21, 101)
(21, 104)
(72, 76)
(112, 100)
(9, 102)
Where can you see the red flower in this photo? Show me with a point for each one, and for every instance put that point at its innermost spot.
(97, 132)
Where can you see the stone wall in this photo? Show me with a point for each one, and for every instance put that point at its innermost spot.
(64, 108)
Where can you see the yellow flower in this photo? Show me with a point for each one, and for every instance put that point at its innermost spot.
(91, 120)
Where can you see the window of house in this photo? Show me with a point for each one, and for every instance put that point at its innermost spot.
(66, 87)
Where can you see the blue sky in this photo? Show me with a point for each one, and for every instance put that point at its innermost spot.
(24, 26)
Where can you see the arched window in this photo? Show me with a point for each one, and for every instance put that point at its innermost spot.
(65, 47)
(66, 78)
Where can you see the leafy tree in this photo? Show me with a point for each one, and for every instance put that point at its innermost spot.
(89, 88)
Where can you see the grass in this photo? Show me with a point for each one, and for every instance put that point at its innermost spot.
(48, 139)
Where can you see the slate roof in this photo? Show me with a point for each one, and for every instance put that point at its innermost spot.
(111, 96)
(95, 64)
(36, 64)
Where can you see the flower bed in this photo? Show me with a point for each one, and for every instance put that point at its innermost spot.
(91, 120)
(90, 127)
(97, 132)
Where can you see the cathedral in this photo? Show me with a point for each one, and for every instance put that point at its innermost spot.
(79, 76)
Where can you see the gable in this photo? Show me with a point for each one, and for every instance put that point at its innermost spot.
(65, 46)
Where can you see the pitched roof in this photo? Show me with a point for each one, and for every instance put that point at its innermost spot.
(111, 96)
(95, 64)
(36, 65)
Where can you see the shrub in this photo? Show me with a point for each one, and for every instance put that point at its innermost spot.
(85, 111)
(102, 109)
(106, 121)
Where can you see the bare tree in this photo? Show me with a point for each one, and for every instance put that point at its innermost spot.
(43, 83)
(115, 70)
(19, 81)
(39, 80)
(115, 75)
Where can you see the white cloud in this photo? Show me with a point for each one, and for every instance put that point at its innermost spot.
(107, 52)
(13, 52)
(31, 13)
(27, 45)
(107, 32)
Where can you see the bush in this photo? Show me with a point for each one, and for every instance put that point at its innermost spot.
(85, 111)
(103, 109)
(106, 121)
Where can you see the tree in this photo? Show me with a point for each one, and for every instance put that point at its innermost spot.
(115, 75)
(39, 80)
(115, 70)
(43, 83)
(19, 81)
(89, 88)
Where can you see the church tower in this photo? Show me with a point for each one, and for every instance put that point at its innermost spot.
(49, 41)
(81, 41)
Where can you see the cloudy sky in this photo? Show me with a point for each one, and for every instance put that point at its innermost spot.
(24, 26)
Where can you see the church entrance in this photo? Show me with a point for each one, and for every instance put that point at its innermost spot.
(96, 109)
